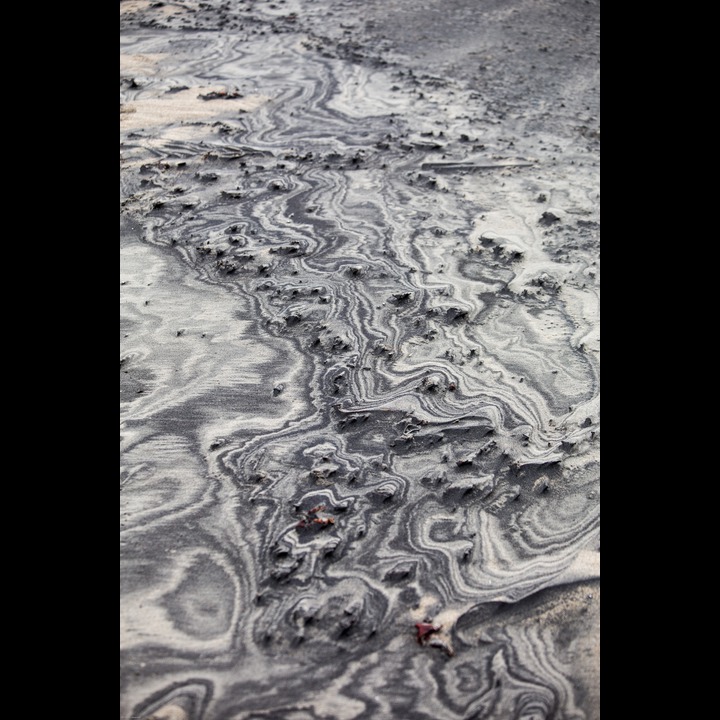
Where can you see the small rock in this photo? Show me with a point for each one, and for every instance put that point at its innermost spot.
(548, 218)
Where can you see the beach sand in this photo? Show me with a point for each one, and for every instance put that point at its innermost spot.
(360, 351)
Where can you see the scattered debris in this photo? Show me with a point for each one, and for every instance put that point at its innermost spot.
(220, 95)
(312, 518)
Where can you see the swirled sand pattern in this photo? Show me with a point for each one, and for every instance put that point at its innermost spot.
(359, 383)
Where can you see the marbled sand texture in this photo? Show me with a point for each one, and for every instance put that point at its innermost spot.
(359, 371)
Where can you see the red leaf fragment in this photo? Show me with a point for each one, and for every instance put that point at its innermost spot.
(311, 518)
(425, 630)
